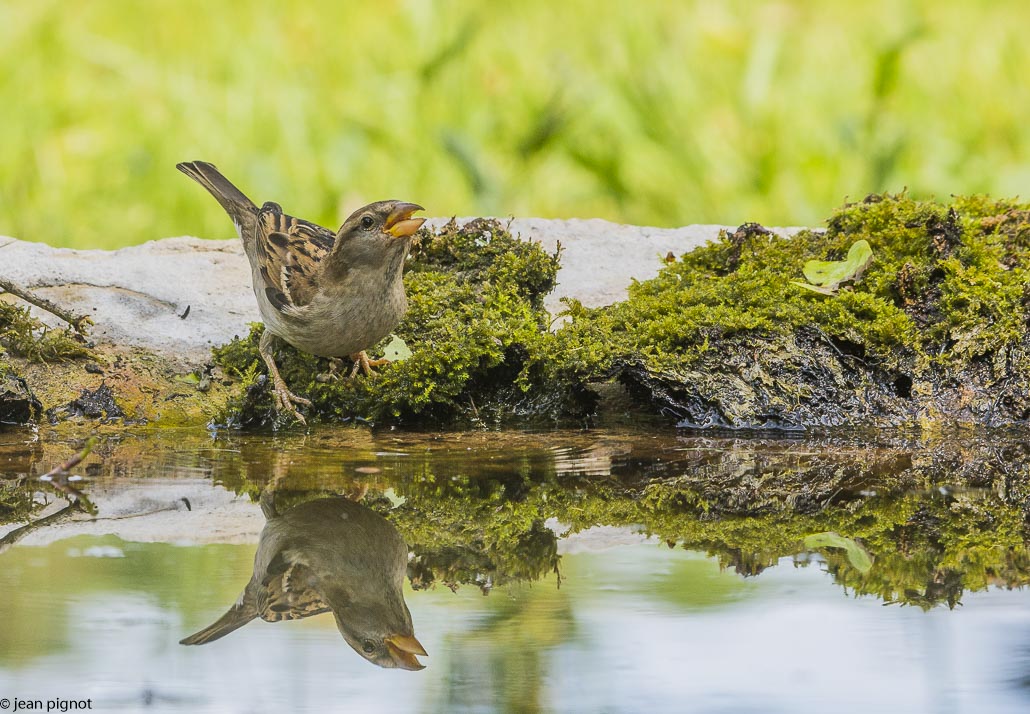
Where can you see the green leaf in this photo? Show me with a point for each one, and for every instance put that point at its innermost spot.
(856, 554)
(396, 350)
(831, 273)
(395, 500)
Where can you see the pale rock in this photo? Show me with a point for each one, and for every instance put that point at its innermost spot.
(136, 295)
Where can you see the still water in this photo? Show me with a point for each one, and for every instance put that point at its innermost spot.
(616, 571)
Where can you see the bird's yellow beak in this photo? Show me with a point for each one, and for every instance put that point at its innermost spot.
(403, 648)
(400, 223)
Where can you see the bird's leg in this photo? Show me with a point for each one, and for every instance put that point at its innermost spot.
(356, 492)
(364, 364)
(285, 400)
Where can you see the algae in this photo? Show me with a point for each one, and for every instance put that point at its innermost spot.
(474, 321)
(25, 337)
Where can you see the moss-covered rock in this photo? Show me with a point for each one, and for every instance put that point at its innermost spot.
(936, 327)
(475, 318)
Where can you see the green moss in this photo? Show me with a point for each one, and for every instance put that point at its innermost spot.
(750, 507)
(27, 337)
(16, 501)
(475, 317)
(721, 336)
(935, 328)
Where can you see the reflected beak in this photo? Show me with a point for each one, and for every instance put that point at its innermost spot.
(403, 649)
(400, 224)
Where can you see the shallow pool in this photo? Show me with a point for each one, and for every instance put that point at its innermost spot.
(619, 571)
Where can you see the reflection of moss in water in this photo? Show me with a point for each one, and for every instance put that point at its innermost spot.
(475, 317)
(928, 546)
(484, 528)
(16, 501)
(475, 505)
(936, 326)
(458, 541)
(747, 502)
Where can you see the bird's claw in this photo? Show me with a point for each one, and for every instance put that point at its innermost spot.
(363, 364)
(286, 402)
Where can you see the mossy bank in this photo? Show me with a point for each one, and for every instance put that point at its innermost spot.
(931, 328)
(478, 336)
(935, 329)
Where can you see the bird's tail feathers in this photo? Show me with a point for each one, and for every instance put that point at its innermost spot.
(239, 615)
(233, 200)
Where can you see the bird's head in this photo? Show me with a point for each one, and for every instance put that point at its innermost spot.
(384, 640)
(379, 229)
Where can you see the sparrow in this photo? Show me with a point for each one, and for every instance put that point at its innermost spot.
(330, 555)
(330, 294)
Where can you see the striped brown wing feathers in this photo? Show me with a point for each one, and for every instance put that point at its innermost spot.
(290, 596)
(289, 252)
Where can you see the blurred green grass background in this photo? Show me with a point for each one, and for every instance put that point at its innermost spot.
(652, 112)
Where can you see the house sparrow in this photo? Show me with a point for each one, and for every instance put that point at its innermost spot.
(333, 295)
(330, 555)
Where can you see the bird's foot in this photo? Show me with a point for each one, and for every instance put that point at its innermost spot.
(363, 364)
(286, 401)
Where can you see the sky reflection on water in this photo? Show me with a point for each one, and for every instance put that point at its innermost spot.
(635, 625)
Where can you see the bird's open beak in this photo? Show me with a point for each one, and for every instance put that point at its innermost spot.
(400, 223)
(403, 649)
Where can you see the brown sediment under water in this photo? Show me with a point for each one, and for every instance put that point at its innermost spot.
(618, 570)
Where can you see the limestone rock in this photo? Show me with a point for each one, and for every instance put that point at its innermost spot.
(138, 295)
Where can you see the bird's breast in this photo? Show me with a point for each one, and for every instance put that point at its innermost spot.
(340, 322)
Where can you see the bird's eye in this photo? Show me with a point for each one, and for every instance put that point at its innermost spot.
(368, 646)
(367, 222)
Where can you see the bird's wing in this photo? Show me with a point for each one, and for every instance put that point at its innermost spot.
(288, 592)
(289, 251)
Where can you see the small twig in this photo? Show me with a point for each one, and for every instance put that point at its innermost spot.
(57, 479)
(72, 462)
(78, 322)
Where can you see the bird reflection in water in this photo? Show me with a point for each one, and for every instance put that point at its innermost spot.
(329, 555)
